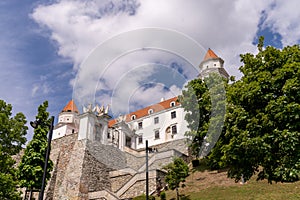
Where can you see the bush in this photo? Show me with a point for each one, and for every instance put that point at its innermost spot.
(163, 195)
(143, 197)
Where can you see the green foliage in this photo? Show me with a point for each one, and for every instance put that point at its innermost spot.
(177, 171)
(12, 130)
(163, 195)
(204, 102)
(143, 197)
(262, 122)
(12, 137)
(32, 164)
(196, 102)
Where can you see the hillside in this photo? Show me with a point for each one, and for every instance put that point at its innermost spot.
(216, 186)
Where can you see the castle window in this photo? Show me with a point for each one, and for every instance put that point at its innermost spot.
(156, 134)
(108, 135)
(140, 139)
(140, 125)
(172, 104)
(150, 111)
(156, 120)
(215, 64)
(73, 130)
(174, 129)
(133, 117)
(173, 114)
(98, 132)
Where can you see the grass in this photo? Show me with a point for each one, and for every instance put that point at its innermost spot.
(216, 186)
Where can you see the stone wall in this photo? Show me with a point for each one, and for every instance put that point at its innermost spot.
(135, 162)
(83, 167)
(71, 187)
(61, 150)
(179, 145)
(139, 188)
(95, 175)
(155, 181)
(109, 155)
(118, 181)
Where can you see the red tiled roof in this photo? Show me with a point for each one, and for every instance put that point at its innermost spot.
(70, 107)
(144, 112)
(210, 54)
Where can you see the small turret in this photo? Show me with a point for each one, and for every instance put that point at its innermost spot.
(68, 113)
(68, 121)
(212, 63)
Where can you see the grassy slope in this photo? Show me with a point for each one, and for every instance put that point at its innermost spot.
(216, 186)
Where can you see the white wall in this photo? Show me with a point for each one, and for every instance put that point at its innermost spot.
(165, 121)
(59, 132)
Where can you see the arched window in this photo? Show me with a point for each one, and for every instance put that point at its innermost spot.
(150, 111)
(133, 117)
(172, 104)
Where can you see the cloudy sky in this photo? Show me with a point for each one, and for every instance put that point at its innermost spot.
(129, 53)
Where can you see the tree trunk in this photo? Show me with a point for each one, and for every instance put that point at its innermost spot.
(177, 193)
(30, 195)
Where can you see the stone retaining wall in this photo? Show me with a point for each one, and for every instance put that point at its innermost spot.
(83, 167)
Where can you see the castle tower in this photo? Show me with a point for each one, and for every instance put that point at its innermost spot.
(68, 121)
(94, 124)
(212, 63)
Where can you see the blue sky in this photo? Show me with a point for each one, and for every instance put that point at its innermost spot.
(44, 43)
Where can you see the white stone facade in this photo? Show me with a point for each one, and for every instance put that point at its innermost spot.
(159, 123)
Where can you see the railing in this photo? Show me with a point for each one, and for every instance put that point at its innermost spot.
(140, 175)
(103, 193)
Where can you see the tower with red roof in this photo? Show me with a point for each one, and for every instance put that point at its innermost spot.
(68, 121)
(212, 64)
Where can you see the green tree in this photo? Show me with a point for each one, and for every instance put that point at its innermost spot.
(31, 167)
(204, 102)
(196, 102)
(12, 137)
(177, 171)
(262, 123)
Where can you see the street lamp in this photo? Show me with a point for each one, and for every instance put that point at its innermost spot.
(147, 172)
(35, 125)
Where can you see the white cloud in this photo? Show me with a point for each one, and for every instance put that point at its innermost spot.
(283, 18)
(228, 27)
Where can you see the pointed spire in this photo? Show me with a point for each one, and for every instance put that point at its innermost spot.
(209, 55)
(70, 107)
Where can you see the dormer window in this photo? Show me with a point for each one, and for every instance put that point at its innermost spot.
(133, 117)
(150, 111)
(172, 104)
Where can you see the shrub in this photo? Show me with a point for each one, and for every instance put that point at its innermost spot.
(163, 195)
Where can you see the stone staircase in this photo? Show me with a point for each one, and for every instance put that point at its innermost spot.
(104, 194)
(156, 161)
(135, 170)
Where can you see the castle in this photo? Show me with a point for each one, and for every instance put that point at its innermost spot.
(96, 157)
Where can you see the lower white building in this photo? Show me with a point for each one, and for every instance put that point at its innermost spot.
(157, 123)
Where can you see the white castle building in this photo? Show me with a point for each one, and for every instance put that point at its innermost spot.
(96, 157)
(158, 123)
